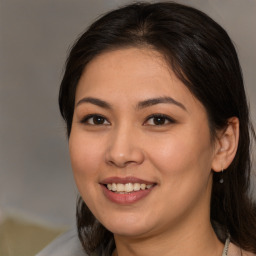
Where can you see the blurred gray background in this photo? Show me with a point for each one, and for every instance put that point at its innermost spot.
(36, 180)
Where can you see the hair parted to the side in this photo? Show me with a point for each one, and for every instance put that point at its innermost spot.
(203, 57)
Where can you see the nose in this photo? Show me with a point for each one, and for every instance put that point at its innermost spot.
(124, 149)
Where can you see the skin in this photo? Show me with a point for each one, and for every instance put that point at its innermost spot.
(177, 155)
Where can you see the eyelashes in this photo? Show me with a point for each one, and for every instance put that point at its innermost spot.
(159, 120)
(95, 119)
(152, 120)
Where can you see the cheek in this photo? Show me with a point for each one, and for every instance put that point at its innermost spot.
(86, 155)
(184, 165)
(182, 154)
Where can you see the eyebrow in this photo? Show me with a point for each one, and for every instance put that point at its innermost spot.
(140, 105)
(95, 101)
(155, 101)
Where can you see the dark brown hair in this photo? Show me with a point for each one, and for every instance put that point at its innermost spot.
(203, 57)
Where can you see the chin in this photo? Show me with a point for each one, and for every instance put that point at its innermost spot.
(127, 226)
(129, 231)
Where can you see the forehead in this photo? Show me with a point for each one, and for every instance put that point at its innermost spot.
(138, 63)
(132, 73)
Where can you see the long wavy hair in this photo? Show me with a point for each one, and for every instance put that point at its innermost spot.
(203, 57)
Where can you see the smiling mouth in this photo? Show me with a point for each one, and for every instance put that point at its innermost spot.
(126, 188)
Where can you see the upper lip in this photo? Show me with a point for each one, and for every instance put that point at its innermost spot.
(124, 180)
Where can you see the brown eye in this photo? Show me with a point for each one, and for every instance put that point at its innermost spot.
(95, 120)
(159, 120)
(98, 120)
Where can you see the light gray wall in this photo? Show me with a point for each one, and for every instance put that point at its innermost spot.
(35, 175)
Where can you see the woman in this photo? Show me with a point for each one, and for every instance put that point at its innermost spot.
(159, 135)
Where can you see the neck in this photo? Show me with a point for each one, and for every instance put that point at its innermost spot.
(201, 241)
(191, 235)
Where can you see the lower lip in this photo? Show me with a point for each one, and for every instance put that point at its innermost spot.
(128, 198)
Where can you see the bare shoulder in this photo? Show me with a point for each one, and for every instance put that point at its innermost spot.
(248, 253)
(236, 251)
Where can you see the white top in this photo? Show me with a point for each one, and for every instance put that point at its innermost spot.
(68, 244)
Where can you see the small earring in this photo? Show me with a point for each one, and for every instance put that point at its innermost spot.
(221, 181)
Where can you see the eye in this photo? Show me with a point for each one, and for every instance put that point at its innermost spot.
(95, 120)
(159, 119)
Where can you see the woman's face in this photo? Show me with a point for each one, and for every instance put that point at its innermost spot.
(140, 145)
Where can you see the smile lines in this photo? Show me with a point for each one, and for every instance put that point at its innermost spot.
(128, 187)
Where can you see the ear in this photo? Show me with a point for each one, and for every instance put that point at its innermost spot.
(226, 145)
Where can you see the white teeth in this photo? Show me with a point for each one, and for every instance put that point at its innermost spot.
(114, 188)
(143, 186)
(128, 187)
(136, 186)
(120, 187)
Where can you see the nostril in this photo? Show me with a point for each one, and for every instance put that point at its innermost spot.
(124, 154)
(122, 164)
